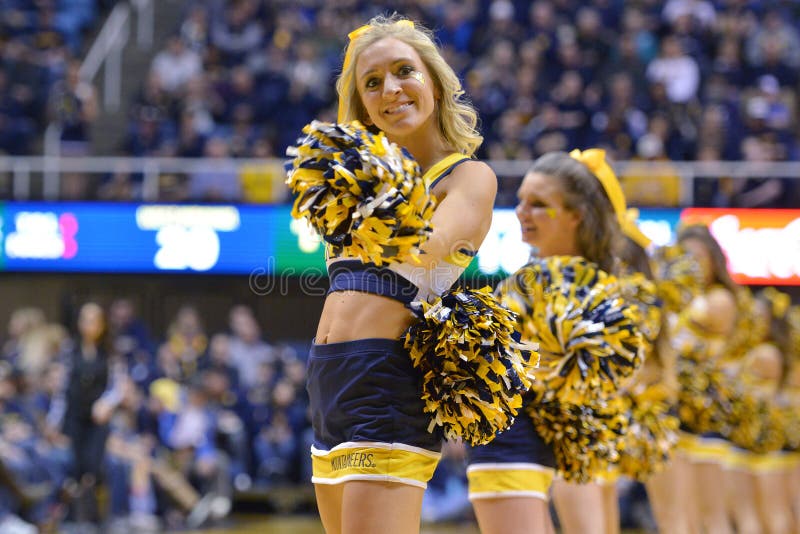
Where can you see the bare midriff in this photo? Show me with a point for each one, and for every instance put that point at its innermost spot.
(351, 315)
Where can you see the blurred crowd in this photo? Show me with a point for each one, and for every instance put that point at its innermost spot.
(648, 80)
(680, 80)
(41, 45)
(166, 429)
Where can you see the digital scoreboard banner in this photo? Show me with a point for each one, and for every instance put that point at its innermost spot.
(763, 245)
(100, 237)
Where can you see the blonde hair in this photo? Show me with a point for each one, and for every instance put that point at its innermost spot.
(456, 117)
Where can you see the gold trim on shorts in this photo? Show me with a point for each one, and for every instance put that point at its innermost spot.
(700, 449)
(498, 480)
(377, 461)
(773, 462)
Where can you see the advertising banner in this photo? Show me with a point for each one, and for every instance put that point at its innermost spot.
(762, 246)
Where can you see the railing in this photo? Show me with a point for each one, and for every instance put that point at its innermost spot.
(107, 49)
(40, 176)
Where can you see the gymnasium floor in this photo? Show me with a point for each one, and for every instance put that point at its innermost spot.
(307, 525)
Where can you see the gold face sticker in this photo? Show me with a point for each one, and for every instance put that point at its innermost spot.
(417, 75)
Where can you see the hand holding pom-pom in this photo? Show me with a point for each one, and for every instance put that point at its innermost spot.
(360, 192)
(474, 368)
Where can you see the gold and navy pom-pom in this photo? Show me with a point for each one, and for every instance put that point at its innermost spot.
(789, 406)
(706, 396)
(757, 424)
(363, 194)
(589, 337)
(587, 438)
(679, 277)
(636, 288)
(793, 318)
(652, 432)
(590, 342)
(474, 368)
(749, 329)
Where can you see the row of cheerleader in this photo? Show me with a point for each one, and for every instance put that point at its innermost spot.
(600, 358)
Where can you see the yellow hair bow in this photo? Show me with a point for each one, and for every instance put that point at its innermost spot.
(595, 160)
(778, 300)
(631, 229)
(348, 58)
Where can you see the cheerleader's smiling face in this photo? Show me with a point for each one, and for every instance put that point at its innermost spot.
(396, 88)
(546, 222)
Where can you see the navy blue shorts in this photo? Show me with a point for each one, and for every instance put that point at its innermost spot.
(516, 463)
(519, 444)
(367, 414)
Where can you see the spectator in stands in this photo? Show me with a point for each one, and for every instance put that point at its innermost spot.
(276, 444)
(180, 356)
(73, 106)
(87, 381)
(195, 29)
(237, 32)
(227, 407)
(675, 69)
(43, 345)
(259, 395)
(16, 126)
(775, 39)
(189, 432)
(248, 350)
(568, 96)
(191, 142)
(128, 461)
(131, 339)
(22, 321)
(218, 358)
(701, 12)
(176, 65)
(217, 181)
(728, 62)
(757, 192)
(775, 62)
(654, 184)
(127, 331)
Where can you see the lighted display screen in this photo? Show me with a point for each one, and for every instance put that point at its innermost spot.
(245, 239)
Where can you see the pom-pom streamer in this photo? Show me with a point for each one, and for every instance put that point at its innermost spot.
(360, 192)
(474, 368)
(589, 337)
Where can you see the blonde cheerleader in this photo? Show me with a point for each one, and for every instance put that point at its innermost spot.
(402, 206)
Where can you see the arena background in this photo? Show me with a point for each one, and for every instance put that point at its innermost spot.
(141, 161)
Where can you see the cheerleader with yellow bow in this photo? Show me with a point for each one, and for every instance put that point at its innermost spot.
(651, 450)
(394, 191)
(761, 422)
(571, 209)
(652, 393)
(702, 337)
(790, 402)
